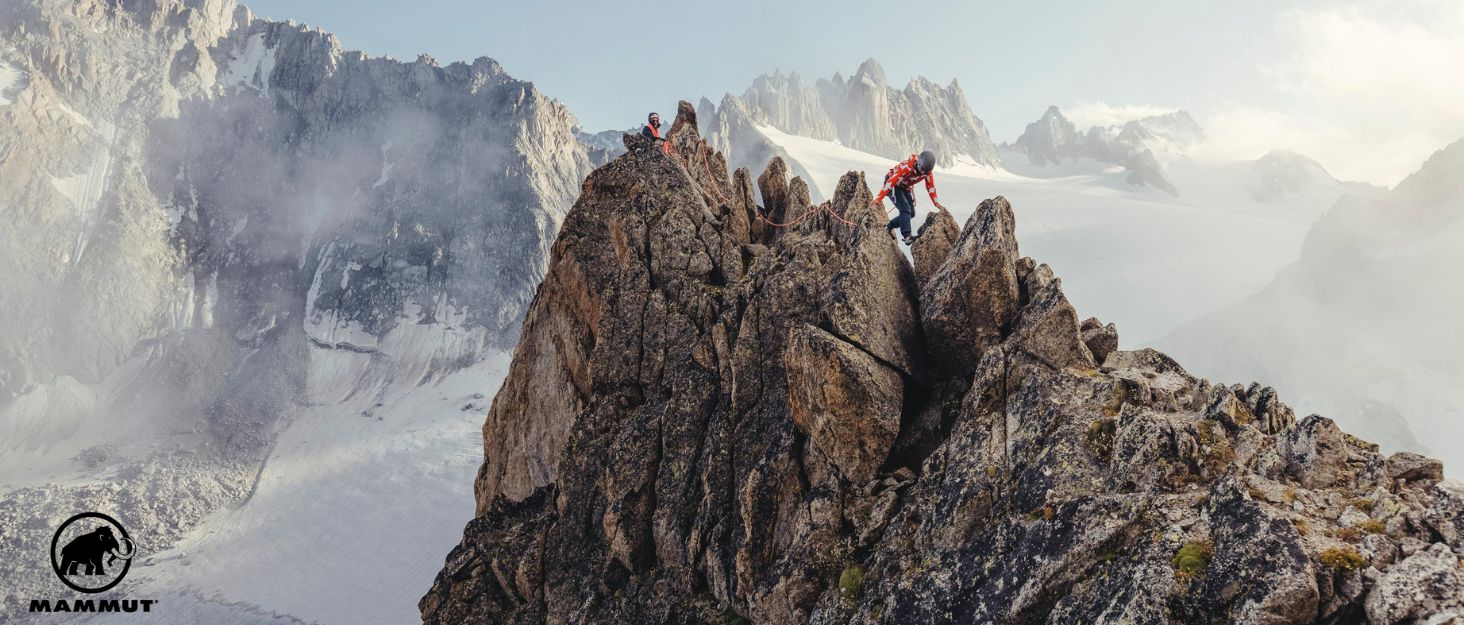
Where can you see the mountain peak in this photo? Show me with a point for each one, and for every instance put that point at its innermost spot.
(863, 113)
(1440, 178)
(949, 440)
(1281, 175)
(871, 68)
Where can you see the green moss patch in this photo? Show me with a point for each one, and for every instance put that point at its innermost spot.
(1193, 557)
(1343, 559)
(851, 582)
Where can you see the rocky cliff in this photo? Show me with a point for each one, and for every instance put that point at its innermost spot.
(213, 219)
(712, 421)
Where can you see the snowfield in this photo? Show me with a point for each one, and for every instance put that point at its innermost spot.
(1134, 256)
(10, 78)
(351, 518)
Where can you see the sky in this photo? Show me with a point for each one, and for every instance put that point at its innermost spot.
(1369, 89)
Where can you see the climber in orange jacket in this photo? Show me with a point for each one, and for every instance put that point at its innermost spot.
(652, 131)
(897, 185)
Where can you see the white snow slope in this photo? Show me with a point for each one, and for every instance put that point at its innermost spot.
(1129, 255)
(352, 516)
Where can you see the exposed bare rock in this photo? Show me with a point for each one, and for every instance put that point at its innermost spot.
(1259, 569)
(1271, 415)
(1445, 513)
(870, 300)
(844, 400)
(1101, 339)
(773, 185)
(1051, 139)
(1425, 587)
(863, 112)
(1048, 329)
(769, 436)
(971, 301)
(937, 236)
(1315, 452)
(1410, 467)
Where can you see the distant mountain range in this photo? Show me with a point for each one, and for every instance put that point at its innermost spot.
(863, 112)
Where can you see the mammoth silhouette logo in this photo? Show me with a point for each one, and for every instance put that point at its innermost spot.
(86, 555)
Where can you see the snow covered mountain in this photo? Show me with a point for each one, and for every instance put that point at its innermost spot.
(1143, 147)
(1363, 326)
(734, 131)
(862, 112)
(1280, 175)
(1053, 138)
(215, 224)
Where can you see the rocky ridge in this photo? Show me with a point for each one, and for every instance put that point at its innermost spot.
(712, 421)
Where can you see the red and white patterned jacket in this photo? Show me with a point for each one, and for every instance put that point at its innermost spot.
(906, 174)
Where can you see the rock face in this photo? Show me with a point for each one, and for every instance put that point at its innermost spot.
(933, 244)
(214, 219)
(863, 112)
(780, 428)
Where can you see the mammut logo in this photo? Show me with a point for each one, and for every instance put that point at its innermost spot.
(84, 548)
(91, 605)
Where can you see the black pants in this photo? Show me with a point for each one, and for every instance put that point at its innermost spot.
(905, 202)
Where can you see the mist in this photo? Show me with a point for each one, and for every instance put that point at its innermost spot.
(1363, 328)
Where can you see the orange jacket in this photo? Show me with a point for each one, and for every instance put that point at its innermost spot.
(905, 174)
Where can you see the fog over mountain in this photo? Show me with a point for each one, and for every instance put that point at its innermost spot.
(215, 223)
(262, 293)
(1141, 146)
(1362, 327)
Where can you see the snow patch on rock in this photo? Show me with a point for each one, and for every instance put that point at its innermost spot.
(11, 81)
(250, 65)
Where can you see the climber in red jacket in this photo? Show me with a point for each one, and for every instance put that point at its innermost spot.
(897, 185)
(652, 129)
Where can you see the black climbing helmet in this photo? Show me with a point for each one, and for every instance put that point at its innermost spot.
(926, 162)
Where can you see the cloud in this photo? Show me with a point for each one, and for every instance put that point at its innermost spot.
(1375, 89)
(1087, 113)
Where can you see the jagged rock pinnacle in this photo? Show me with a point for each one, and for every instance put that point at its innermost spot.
(708, 423)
